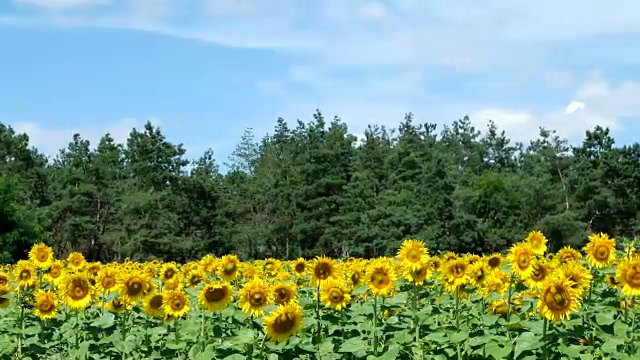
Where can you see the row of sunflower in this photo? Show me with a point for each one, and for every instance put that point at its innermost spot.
(528, 283)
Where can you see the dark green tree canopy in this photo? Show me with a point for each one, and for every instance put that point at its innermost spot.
(313, 189)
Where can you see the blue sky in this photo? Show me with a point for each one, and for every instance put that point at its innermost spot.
(204, 70)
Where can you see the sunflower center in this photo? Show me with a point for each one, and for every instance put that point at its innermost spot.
(479, 275)
(523, 261)
(494, 262)
(79, 289)
(283, 295)
(169, 273)
(414, 255)
(284, 323)
(117, 304)
(108, 282)
(322, 271)
(538, 273)
(230, 268)
(459, 270)
(134, 288)
(380, 280)
(633, 276)
(557, 299)
(54, 272)
(42, 256)
(195, 279)
(46, 306)
(177, 303)
(300, 267)
(25, 275)
(355, 279)
(156, 302)
(257, 298)
(336, 295)
(3, 280)
(602, 253)
(214, 295)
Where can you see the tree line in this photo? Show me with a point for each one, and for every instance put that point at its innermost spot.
(313, 188)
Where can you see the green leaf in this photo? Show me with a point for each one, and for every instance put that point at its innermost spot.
(497, 351)
(526, 342)
(354, 345)
(605, 318)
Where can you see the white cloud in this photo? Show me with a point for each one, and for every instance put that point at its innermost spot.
(598, 103)
(49, 140)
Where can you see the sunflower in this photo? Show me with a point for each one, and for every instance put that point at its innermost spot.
(284, 322)
(558, 299)
(412, 254)
(5, 300)
(418, 276)
(494, 261)
(600, 250)
(335, 293)
(168, 271)
(521, 258)
(436, 263)
(55, 272)
(478, 272)
(215, 296)
(271, 268)
(283, 293)
(628, 276)
(46, 305)
(174, 284)
(228, 267)
(4, 279)
(25, 273)
(494, 284)
(448, 256)
(254, 296)
(454, 274)
(380, 277)
(93, 268)
(152, 305)
(540, 272)
(117, 305)
(472, 258)
(133, 285)
(106, 280)
(209, 264)
(76, 261)
(41, 255)
(322, 269)
(194, 277)
(76, 290)
(300, 267)
(612, 281)
(579, 276)
(538, 242)
(175, 303)
(567, 254)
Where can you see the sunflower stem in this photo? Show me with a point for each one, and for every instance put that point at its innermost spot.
(458, 319)
(21, 321)
(375, 326)
(318, 313)
(77, 331)
(123, 333)
(545, 348)
(509, 295)
(414, 308)
(202, 339)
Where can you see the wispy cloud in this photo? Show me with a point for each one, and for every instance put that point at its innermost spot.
(371, 61)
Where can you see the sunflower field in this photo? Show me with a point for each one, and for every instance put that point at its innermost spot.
(526, 304)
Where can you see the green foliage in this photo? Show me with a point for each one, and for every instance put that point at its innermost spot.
(313, 188)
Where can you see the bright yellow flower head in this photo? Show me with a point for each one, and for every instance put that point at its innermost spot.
(41, 255)
(455, 274)
(322, 269)
(538, 242)
(579, 276)
(228, 267)
(25, 273)
(558, 300)
(107, 280)
(412, 254)
(300, 267)
(628, 276)
(284, 322)
(4, 279)
(254, 296)
(521, 258)
(380, 277)
(152, 305)
(168, 271)
(215, 296)
(194, 277)
(541, 270)
(117, 305)
(335, 293)
(46, 305)
(133, 285)
(5, 296)
(600, 250)
(494, 261)
(283, 293)
(567, 254)
(419, 275)
(76, 261)
(76, 290)
(175, 303)
(478, 273)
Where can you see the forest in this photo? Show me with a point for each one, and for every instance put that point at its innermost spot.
(313, 188)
